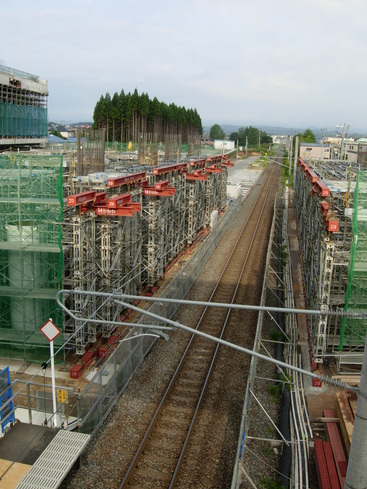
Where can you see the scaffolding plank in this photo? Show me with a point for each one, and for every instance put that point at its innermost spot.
(55, 461)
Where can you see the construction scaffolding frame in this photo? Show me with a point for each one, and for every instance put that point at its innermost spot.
(102, 247)
(31, 265)
(123, 231)
(90, 150)
(163, 214)
(325, 216)
(23, 105)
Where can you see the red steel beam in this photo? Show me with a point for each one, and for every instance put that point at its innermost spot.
(332, 431)
(321, 466)
(333, 476)
(197, 175)
(132, 178)
(322, 188)
(126, 211)
(153, 192)
(198, 163)
(120, 200)
(213, 169)
(169, 169)
(80, 199)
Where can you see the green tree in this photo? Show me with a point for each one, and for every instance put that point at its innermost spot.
(216, 132)
(126, 116)
(308, 136)
(252, 135)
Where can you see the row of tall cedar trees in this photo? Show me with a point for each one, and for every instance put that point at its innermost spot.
(126, 116)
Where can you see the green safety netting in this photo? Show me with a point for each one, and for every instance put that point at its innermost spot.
(31, 205)
(353, 330)
(22, 121)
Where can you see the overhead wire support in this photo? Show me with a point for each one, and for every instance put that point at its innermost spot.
(117, 296)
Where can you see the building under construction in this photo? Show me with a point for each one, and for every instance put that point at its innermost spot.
(331, 208)
(97, 231)
(31, 205)
(23, 109)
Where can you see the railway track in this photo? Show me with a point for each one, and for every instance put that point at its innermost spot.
(169, 442)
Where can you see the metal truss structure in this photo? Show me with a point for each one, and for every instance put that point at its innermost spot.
(102, 251)
(121, 233)
(324, 216)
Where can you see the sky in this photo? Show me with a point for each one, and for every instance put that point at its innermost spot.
(287, 63)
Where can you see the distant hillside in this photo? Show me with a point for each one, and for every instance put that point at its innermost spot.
(282, 131)
(229, 128)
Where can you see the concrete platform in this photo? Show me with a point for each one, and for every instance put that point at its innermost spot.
(19, 449)
(24, 443)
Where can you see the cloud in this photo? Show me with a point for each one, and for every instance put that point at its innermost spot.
(233, 61)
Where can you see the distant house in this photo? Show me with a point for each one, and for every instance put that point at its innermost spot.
(309, 151)
(362, 152)
(65, 131)
(350, 151)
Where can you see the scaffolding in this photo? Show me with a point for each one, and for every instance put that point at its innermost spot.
(332, 251)
(164, 215)
(353, 331)
(31, 206)
(121, 232)
(23, 105)
(90, 151)
(148, 149)
(102, 251)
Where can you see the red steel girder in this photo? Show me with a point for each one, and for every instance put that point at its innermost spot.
(99, 198)
(197, 175)
(125, 180)
(104, 210)
(198, 163)
(120, 200)
(312, 175)
(161, 170)
(215, 159)
(80, 199)
(227, 163)
(321, 188)
(213, 169)
(160, 189)
(153, 192)
(161, 185)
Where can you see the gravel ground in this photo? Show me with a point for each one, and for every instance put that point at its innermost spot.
(112, 448)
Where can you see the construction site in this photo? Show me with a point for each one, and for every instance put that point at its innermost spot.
(101, 231)
(330, 202)
(79, 227)
(23, 108)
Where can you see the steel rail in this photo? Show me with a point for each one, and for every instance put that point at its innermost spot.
(144, 441)
(187, 439)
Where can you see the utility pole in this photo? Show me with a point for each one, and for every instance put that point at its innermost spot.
(357, 472)
(323, 129)
(295, 161)
(290, 156)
